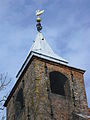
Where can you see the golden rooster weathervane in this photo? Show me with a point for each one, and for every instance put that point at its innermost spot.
(38, 19)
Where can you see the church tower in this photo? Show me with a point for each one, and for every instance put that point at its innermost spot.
(47, 87)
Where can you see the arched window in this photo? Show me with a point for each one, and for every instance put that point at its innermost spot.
(19, 103)
(58, 83)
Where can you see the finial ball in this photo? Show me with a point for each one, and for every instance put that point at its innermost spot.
(38, 19)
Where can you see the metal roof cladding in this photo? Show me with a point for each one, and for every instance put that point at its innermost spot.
(41, 48)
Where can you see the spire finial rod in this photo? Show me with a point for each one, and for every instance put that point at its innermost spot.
(38, 19)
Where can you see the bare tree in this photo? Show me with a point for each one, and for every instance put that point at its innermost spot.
(4, 82)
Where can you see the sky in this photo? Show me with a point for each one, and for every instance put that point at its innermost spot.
(66, 27)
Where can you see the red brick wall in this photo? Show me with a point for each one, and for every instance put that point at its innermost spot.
(37, 104)
(63, 107)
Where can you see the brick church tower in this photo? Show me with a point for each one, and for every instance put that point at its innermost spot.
(47, 87)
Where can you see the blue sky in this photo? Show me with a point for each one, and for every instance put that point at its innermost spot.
(66, 27)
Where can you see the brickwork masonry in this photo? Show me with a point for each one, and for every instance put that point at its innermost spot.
(39, 103)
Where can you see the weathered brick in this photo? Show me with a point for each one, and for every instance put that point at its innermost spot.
(37, 105)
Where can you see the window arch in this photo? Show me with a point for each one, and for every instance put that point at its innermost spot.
(19, 102)
(58, 83)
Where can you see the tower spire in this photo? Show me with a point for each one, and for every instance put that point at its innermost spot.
(38, 19)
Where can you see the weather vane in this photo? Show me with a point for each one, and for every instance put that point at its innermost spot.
(38, 13)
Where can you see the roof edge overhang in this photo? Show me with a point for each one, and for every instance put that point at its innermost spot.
(28, 59)
(32, 53)
(52, 59)
(82, 115)
(15, 86)
(41, 56)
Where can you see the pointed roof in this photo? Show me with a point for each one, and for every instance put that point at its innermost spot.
(41, 48)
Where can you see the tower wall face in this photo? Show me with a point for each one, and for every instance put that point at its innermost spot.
(39, 102)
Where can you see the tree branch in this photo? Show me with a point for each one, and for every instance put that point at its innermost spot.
(4, 82)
